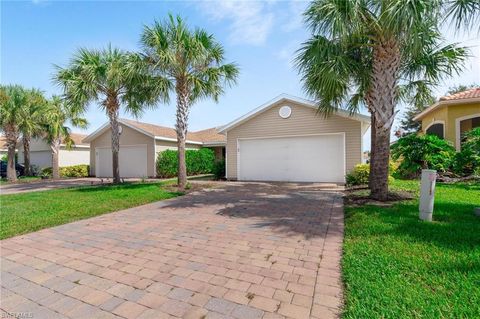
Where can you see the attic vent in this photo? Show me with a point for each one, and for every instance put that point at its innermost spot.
(285, 112)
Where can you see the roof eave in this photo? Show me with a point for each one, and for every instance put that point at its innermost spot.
(441, 103)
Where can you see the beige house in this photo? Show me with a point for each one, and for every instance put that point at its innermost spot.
(140, 144)
(41, 153)
(287, 140)
(452, 116)
(3, 146)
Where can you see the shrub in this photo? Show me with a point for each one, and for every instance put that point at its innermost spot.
(417, 152)
(197, 161)
(219, 169)
(75, 171)
(46, 172)
(68, 171)
(467, 161)
(360, 174)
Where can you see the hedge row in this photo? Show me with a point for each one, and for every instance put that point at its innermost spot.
(200, 161)
(69, 171)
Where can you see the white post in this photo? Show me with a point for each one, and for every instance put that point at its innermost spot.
(427, 194)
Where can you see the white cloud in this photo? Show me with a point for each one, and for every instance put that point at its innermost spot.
(250, 22)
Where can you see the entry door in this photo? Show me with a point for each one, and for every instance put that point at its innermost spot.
(319, 158)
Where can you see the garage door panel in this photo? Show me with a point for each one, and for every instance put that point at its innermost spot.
(132, 161)
(299, 158)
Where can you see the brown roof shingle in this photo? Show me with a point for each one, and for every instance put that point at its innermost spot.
(468, 94)
(208, 135)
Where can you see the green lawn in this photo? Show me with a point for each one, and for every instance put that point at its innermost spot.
(27, 212)
(21, 179)
(396, 266)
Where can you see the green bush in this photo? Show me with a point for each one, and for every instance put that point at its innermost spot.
(68, 171)
(467, 161)
(417, 152)
(219, 169)
(198, 162)
(75, 171)
(360, 174)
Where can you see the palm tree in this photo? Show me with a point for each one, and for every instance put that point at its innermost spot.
(30, 124)
(12, 99)
(57, 114)
(114, 79)
(387, 51)
(192, 62)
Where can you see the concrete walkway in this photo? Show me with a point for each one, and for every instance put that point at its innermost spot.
(246, 250)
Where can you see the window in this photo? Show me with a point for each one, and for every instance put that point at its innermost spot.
(436, 129)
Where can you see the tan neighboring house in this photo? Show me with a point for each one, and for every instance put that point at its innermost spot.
(140, 144)
(286, 139)
(452, 116)
(41, 153)
(3, 146)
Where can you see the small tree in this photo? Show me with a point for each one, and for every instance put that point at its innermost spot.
(114, 79)
(417, 152)
(12, 99)
(30, 125)
(57, 114)
(191, 61)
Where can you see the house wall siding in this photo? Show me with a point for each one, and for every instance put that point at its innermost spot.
(303, 121)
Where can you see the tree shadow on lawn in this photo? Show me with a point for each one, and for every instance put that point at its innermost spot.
(284, 208)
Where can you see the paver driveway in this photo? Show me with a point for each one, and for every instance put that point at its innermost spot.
(245, 250)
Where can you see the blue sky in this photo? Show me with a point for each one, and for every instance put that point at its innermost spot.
(261, 37)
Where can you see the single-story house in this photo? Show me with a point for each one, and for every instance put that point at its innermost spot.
(41, 153)
(286, 139)
(140, 144)
(452, 116)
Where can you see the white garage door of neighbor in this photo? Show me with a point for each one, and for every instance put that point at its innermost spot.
(319, 158)
(132, 161)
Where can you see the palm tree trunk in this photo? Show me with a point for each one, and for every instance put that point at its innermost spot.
(181, 128)
(26, 154)
(12, 138)
(386, 62)
(113, 116)
(373, 134)
(55, 147)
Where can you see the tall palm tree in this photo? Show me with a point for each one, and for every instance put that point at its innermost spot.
(30, 124)
(114, 79)
(386, 50)
(12, 99)
(192, 62)
(56, 117)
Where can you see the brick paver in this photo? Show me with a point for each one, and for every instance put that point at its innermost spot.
(242, 250)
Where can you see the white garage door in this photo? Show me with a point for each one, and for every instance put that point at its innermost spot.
(132, 161)
(319, 158)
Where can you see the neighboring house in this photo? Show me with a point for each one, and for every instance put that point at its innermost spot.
(3, 146)
(41, 153)
(452, 116)
(140, 144)
(287, 140)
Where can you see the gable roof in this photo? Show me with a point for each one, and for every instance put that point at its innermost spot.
(164, 133)
(294, 99)
(464, 97)
(78, 138)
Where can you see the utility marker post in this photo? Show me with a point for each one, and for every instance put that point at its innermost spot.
(427, 193)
